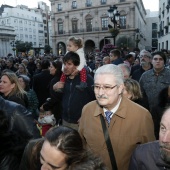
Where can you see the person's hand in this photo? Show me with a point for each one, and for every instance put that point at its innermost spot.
(75, 72)
(58, 85)
(41, 108)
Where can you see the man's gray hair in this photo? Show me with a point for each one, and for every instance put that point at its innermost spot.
(127, 69)
(144, 52)
(111, 69)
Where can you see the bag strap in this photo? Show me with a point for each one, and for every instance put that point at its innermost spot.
(108, 143)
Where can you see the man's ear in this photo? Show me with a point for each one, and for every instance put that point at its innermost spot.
(121, 88)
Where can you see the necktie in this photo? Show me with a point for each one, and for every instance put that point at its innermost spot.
(108, 114)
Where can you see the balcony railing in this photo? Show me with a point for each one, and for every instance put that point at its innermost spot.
(88, 4)
(59, 9)
(103, 2)
(74, 6)
(83, 30)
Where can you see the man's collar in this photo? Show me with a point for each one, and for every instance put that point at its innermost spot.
(158, 73)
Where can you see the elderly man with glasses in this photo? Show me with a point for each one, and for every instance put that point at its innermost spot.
(127, 123)
(145, 64)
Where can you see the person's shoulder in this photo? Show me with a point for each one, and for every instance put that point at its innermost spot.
(147, 147)
(147, 74)
(134, 106)
(91, 105)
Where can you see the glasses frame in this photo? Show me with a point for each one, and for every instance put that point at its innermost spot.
(105, 88)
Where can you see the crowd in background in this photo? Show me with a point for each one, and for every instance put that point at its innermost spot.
(29, 81)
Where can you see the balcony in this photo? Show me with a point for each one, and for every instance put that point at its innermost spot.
(74, 6)
(59, 9)
(103, 2)
(83, 30)
(88, 4)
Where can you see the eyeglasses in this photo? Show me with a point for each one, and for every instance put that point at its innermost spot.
(144, 56)
(156, 59)
(105, 88)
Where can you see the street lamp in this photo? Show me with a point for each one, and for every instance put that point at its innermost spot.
(13, 45)
(114, 17)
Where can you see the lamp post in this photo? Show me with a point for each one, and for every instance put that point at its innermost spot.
(13, 45)
(114, 17)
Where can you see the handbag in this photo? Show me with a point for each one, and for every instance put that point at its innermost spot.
(108, 143)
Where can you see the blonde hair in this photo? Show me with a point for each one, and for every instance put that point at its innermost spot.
(24, 67)
(17, 90)
(78, 41)
(133, 87)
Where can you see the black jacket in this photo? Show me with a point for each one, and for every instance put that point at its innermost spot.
(54, 104)
(41, 86)
(21, 120)
(74, 100)
(11, 150)
(147, 157)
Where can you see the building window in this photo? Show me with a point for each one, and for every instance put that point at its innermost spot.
(104, 23)
(59, 7)
(122, 0)
(40, 25)
(20, 21)
(60, 28)
(166, 45)
(74, 26)
(154, 33)
(21, 28)
(162, 45)
(154, 26)
(26, 36)
(103, 2)
(122, 22)
(21, 36)
(74, 5)
(15, 21)
(89, 25)
(88, 3)
(154, 43)
(30, 30)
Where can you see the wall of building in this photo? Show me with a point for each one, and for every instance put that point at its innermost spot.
(164, 25)
(132, 9)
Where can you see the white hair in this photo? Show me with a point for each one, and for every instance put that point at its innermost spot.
(111, 69)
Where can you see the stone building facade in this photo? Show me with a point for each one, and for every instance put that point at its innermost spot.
(89, 20)
(7, 34)
(164, 25)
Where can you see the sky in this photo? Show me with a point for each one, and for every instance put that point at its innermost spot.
(149, 4)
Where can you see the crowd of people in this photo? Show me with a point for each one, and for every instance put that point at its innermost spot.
(71, 112)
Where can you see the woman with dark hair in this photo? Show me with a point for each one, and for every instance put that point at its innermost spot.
(157, 111)
(32, 97)
(53, 104)
(61, 147)
(12, 90)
